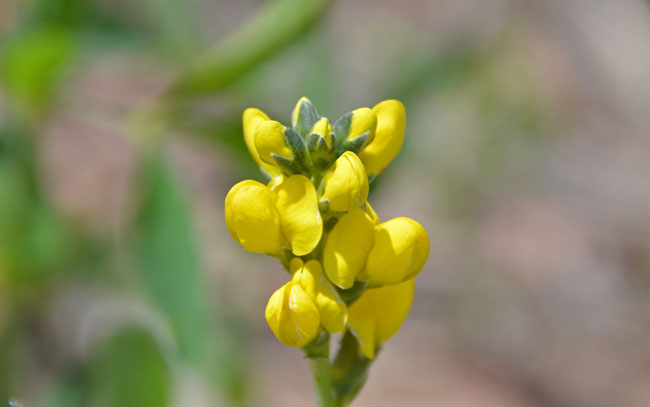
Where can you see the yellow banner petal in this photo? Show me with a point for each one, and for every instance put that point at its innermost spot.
(300, 219)
(389, 136)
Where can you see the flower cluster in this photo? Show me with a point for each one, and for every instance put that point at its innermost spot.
(348, 269)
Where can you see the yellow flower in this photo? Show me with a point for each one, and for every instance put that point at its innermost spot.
(378, 314)
(361, 248)
(292, 315)
(252, 218)
(345, 184)
(389, 136)
(332, 311)
(399, 251)
(269, 141)
(347, 248)
(265, 221)
(252, 118)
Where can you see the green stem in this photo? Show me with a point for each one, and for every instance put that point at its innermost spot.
(317, 354)
(321, 372)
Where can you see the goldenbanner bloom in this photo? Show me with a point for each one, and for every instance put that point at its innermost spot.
(348, 271)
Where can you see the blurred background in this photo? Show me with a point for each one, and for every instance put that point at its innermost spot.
(527, 159)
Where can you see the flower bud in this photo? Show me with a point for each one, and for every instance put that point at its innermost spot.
(292, 315)
(297, 205)
(355, 130)
(252, 218)
(347, 248)
(320, 144)
(345, 184)
(399, 251)
(304, 116)
(252, 118)
(269, 141)
(389, 136)
(378, 314)
(332, 311)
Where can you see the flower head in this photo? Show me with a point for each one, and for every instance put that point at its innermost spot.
(349, 271)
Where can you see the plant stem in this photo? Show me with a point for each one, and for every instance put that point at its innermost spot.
(317, 354)
(321, 372)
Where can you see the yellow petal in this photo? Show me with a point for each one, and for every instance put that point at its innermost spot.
(347, 248)
(373, 215)
(252, 118)
(400, 249)
(269, 139)
(345, 184)
(391, 122)
(379, 313)
(332, 310)
(324, 128)
(252, 218)
(292, 316)
(363, 120)
(300, 219)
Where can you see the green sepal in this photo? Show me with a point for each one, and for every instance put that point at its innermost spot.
(319, 348)
(307, 117)
(341, 129)
(324, 206)
(299, 164)
(289, 166)
(353, 293)
(321, 155)
(356, 144)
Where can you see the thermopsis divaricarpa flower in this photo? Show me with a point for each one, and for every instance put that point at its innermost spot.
(266, 221)
(349, 271)
(382, 254)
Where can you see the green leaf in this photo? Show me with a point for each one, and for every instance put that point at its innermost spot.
(277, 25)
(168, 258)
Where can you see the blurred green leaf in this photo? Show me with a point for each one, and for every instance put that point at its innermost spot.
(278, 24)
(129, 370)
(168, 258)
(169, 265)
(32, 63)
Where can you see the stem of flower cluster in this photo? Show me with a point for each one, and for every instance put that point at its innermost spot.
(317, 354)
(321, 372)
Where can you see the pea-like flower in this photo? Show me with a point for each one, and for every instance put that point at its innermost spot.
(380, 254)
(292, 315)
(379, 313)
(345, 185)
(296, 310)
(263, 220)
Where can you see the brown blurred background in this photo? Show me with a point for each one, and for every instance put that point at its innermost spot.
(527, 158)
